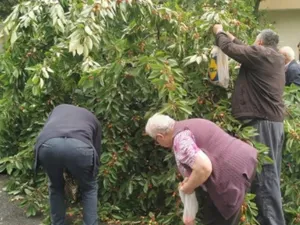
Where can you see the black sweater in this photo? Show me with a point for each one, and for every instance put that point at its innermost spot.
(72, 122)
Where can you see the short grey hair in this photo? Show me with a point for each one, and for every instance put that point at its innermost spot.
(159, 123)
(288, 52)
(268, 38)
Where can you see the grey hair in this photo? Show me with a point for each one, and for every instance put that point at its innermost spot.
(268, 38)
(159, 123)
(288, 52)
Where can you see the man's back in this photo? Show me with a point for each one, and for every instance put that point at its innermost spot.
(73, 122)
(293, 74)
(259, 87)
(260, 84)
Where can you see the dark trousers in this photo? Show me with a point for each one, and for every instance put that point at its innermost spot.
(77, 157)
(266, 186)
(211, 215)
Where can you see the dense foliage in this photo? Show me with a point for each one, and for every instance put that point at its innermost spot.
(123, 60)
(6, 7)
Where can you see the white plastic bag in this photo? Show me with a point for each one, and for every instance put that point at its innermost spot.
(190, 204)
(218, 68)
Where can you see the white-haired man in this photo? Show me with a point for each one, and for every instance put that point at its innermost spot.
(207, 156)
(257, 101)
(292, 68)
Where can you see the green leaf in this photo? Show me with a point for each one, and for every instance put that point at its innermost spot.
(49, 70)
(199, 60)
(90, 2)
(27, 191)
(105, 158)
(130, 188)
(191, 60)
(146, 185)
(9, 168)
(45, 73)
(18, 165)
(117, 217)
(89, 42)
(105, 183)
(85, 50)
(88, 30)
(13, 36)
(35, 79)
(60, 25)
(35, 91)
(42, 82)
(79, 49)
(186, 110)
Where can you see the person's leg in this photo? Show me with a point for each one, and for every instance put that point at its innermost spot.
(89, 201)
(234, 220)
(80, 164)
(212, 216)
(51, 160)
(267, 183)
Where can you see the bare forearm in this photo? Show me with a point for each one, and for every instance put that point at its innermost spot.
(196, 179)
(201, 169)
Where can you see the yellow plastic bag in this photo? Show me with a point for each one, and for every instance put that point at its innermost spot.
(218, 72)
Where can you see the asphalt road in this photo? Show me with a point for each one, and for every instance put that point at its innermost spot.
(10, 212)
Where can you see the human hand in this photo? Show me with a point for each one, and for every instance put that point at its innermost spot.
(217, 28)
(230, 35)
(184, 187)
(182, 183)
(189, 222)
(185, 180)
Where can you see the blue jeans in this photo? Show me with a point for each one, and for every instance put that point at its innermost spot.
(78, 158)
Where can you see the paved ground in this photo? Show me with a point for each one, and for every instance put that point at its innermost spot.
(10, 212)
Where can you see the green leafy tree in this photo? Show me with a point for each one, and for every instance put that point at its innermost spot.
(124, 60)
(291, 157)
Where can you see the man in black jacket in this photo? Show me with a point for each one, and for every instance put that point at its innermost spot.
(257, 101)
(292, 68)
(70, 139)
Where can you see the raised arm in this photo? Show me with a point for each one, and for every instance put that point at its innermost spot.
(244, 54)
(235, 49)
(234, 39)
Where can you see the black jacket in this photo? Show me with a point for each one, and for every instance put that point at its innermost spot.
(72, 122)
(260, 84)
(292, 74)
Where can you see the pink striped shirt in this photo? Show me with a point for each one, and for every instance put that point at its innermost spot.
(185, 149)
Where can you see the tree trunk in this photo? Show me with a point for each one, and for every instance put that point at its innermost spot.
(256, 8)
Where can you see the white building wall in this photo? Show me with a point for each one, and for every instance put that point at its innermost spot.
(279, 4)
